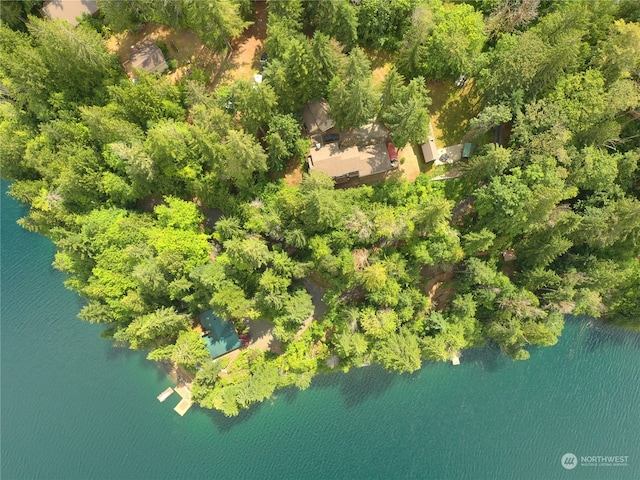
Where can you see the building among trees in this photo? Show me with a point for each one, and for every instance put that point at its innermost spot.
(352, 162)
(69, 10)
(147, 56)
(219, 334)
(316, 117)
(429, 150)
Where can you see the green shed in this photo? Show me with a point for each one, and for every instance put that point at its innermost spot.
(467, 149)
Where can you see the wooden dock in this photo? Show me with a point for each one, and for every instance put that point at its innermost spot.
(166, 394)
(183, 406)
(185, 403)
(183, 391)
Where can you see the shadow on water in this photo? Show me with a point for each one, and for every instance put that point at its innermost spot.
(489, 357)
(595, 334)
(288, 394)
(115, 353)
(225, 424)
(359, 384)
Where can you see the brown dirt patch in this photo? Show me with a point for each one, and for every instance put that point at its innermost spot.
(186, 48)
(379, 57)
(293, 173)
(410, 162)
(379, 74)
(261, 333)
(437, 291)
(244, 60)
(176, 372)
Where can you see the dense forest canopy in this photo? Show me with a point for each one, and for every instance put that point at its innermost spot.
(124, 176)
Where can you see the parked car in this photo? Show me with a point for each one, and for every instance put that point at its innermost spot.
(393, 154)
(331, 137)
(461, 81)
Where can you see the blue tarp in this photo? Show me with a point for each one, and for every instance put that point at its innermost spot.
(221, 337)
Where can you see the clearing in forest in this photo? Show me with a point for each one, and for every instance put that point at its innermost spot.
(183, 46)
(451, 109)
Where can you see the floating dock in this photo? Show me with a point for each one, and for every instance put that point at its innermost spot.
(166, 394)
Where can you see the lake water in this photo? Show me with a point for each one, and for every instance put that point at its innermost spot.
(73, 407)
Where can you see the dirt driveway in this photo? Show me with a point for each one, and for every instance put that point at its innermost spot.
(247, 48)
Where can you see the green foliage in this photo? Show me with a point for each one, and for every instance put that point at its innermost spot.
(523, 66)
(491, 163)
(15, 134)
(125, 181)
(594, 169)
(404, 109)
(299, 69)
(147, 100)
(216, 24)
(254, 103)
(617, 55)
(400, 352)
(178, 214)
(490, 117)
(475, 242)
(378, 324)
(14, 14)
(23, 72)
(160, 327)
(243, 157)
(581, 98)
(120, 15)
(106, 126)
(58, 41)
(337, 19)
(382, 23)
(324, 65)
(351, 97)
(189, 350)
(289, 10)
(351, 345)
(283, 141)
(442, 41)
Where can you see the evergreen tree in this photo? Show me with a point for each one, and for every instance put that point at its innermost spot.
(351, 97)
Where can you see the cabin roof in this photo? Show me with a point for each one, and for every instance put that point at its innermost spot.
(429, 150)
(220, 335)
(316, 117)
(357, 161)
(146, 55)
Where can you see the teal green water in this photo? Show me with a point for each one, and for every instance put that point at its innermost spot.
(73, 407)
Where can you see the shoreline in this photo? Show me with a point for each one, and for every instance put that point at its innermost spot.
(176, 373)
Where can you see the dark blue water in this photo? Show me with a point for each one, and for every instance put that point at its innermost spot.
(73, 407)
